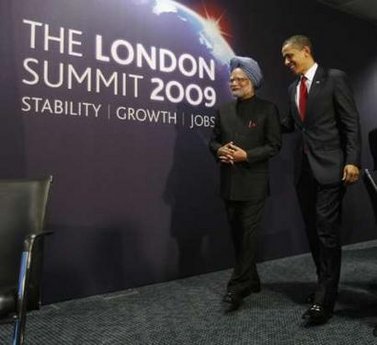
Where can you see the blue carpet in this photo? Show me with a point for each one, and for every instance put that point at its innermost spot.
(189, 311)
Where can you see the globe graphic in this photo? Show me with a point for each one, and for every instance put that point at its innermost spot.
(173, 26)
(208, 36)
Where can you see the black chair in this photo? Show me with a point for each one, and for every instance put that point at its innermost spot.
(22, 212)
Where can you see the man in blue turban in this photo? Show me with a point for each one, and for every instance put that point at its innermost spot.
(250, 67)
(245, 136)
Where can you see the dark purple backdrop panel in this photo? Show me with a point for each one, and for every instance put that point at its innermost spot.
(134, 201)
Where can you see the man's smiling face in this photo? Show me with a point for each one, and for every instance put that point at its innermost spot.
(298, 60)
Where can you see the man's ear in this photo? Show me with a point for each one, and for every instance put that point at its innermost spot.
(307, 50)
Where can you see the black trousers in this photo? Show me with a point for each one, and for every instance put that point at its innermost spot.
(321, 210)
(244, 218)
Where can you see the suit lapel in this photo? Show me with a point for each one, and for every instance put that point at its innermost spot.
(295, 113)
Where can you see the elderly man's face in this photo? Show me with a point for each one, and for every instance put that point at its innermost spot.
(240, 85)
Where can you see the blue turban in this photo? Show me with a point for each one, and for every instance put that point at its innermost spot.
(250, 67)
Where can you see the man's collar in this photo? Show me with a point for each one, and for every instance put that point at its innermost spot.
(309, 74)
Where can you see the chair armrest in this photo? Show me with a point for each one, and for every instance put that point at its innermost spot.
(31, 238)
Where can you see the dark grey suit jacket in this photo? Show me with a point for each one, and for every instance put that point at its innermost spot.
(259, 135)
(331, 129)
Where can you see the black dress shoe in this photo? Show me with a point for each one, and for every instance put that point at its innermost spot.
(317, 315)
(233, 299)
(231, 296)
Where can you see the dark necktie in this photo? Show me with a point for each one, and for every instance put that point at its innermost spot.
(303, 98)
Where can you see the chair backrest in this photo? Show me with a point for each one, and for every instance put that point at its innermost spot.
(22, 212)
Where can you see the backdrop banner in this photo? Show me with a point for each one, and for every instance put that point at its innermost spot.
(116, 99)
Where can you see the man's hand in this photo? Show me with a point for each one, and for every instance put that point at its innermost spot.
(230, 154)
(350, 174)
(239, 155)
(225, 153)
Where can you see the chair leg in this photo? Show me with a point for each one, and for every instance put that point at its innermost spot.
(18, 338)
(19, 324)
(23, 283)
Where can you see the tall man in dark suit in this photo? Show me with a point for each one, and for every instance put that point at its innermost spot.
(322, 108)
(246, 134)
